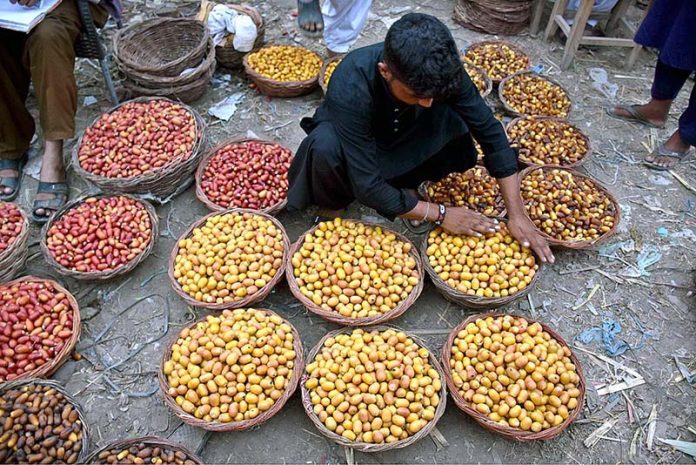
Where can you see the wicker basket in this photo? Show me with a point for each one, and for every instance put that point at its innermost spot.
(189, 419)
(500, 43)
(272, 88)
(249, 299)
(499, 205)
(526, 162)
(76, 406)
(337, 318)
(508, 17)
(481, 73)
(272, 210)
(512, 111)
(364, 446)
(13, 258)
(507, 431)
(324, 86)
(50, 367)
(578, 245)
(149, 441)
(161, 46)
(227, 56)
(99, 275)
(200, 72)
(474, 302)
(160, 184)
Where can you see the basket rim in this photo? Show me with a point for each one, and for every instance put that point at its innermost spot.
(155, 441)
(293, 382)
(100, 275)
(509, 109)
(508, 431)
(335, 317)
(156, 23)
(516, 48)
(20, 238)
(211, 152)
(262, 81)
(50, 367)
(527, 163)
(482, 72)
(577, 245)
(86, 433)
(151, 175)
(247, 300)
(500, 210)
(462, 298)
(365, 446)
(322, 71)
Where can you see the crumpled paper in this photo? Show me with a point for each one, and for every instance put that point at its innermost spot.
(226, 107)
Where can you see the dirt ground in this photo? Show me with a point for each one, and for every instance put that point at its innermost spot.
(643, 279)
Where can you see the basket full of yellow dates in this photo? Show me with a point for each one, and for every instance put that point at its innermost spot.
(232, 371)
(229, 259)
(373, 389)
(479, 272)
(354, 273)
(283, 70)
(515, 377)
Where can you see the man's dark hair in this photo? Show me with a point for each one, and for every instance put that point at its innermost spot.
(421, 53)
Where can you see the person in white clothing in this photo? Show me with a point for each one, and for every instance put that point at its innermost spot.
(340, 21)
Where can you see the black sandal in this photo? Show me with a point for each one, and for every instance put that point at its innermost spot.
(13, 183)
(59, 190)
(310, 12)
(661, 151)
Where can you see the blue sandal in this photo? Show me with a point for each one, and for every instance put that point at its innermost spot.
(60, 192)
(13, 183)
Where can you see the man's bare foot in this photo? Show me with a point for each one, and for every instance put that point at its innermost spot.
(52, 170)
(669, 153)
(11, 174)
(653, 113)
(309, 17)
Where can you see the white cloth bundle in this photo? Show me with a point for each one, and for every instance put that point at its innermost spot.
(223, 20)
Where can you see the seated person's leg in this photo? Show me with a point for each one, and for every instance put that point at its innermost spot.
(16, 123)
(50, 55)
(318, 174)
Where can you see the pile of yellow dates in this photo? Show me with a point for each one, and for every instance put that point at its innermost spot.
(374, 387)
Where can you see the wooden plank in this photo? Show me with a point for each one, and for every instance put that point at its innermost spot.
(537, 13)
(563, 24)
(575, 36)
(618, 12)
(607, 41)
(558, 9)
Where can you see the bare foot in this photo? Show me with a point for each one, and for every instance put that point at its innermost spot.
(309, 16)
(52, 170)
(8, 174)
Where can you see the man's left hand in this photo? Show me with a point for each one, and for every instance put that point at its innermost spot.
(524, 231)
(26, 3)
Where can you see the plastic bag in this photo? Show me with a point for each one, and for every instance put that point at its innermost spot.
(245, 33)
(221, 22)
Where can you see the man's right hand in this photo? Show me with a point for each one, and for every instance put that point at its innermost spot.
(460, 220)
(27, 3)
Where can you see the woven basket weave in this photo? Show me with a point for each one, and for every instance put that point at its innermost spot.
(364, 446)
(245, 301)
(159, 184)
(336, 317)
(474, 302)
(230, 58)
(577, 245)
(506, 17)
(490, 425)
(148, 441)
(200, 193)
(505, 82)
(99, 275)
(51, 366)
(527, 162)
(13, 258)
(161, 46)
(473, 70)
(297, 370)
(272, 88)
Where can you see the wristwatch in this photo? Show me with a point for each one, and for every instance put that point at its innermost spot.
(441, 212)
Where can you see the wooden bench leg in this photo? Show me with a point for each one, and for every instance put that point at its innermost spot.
(617, 13)
(558, 9)
(633, 57)
(537, 13)
(575, 36)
